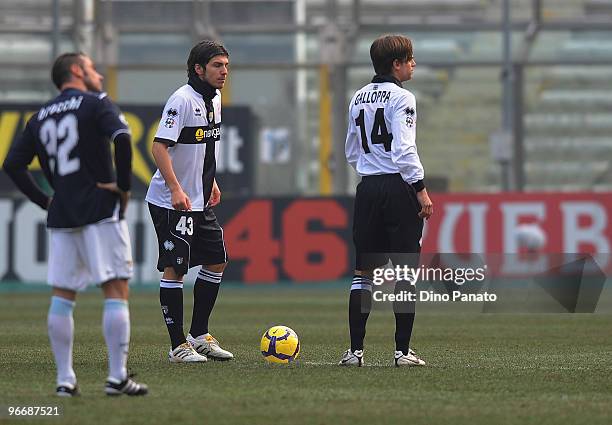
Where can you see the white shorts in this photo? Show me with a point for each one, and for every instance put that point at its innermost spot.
(89, 255)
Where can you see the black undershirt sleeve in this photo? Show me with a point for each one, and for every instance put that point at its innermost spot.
(418, 185)
(166, 142)
(123, 161)
(16, 164)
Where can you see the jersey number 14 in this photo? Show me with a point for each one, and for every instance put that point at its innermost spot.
(379, 133)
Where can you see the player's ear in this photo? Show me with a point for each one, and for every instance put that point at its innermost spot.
(76, 70)
(199, 69)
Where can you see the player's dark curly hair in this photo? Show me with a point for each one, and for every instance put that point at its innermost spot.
(202, 53)
(386, 49)
(60, 72)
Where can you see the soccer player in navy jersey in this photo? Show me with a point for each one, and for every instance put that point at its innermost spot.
(88, 237)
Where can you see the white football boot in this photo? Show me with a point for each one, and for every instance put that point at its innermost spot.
(185, 353)
(410, 359)
(208, 346)
(352, 358)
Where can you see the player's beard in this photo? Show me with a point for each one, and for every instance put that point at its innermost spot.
(91, 85)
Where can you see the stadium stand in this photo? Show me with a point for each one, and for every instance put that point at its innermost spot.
(568, 109)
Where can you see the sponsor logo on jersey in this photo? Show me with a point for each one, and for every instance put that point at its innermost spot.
(168, 245)
(199, 134)
(214, 133)
(197, 112)
(179, 260)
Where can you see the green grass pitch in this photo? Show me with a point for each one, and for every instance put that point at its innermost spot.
(482, 368)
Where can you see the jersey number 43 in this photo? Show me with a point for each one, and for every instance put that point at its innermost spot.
(379, 134)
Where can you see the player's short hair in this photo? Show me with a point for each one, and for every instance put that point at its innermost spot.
(385, 49)
(202, 53)
(60, 72)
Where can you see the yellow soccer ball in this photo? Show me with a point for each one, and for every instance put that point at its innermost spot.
(280, 344)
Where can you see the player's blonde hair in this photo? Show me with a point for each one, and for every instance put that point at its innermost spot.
(385, 49)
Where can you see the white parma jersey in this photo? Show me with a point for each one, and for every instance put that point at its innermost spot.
(191, 130)
(381, 136)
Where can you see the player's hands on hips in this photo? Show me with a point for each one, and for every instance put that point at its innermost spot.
(180, 200)
(215, 195)
(426, 204)
(124, 197)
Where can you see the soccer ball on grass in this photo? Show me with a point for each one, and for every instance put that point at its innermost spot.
(280, 344)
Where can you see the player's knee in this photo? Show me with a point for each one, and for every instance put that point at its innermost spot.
(171, 274)
(364, 273)
(116, 288)
(217, 268)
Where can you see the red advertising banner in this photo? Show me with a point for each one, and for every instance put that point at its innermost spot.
(569, 222)
(310, 239)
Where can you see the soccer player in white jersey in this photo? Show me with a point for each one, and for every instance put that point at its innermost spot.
(391, 200)
(181, 195)
(88, 237)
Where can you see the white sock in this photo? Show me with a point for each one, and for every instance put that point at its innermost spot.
(116, 325)
(61, 334)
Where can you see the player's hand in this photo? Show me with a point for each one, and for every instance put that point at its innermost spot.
(124, 197)
(426, 204)
(180, 200)
(215, 195)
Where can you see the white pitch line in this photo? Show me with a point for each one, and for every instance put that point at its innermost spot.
(336, 364)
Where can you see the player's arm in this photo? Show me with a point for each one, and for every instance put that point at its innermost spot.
(215, 195)
(351, 146)
(123, 166)
(113, 125)
(16, 164)
(404, 151)
(180, 200)
(168, 132)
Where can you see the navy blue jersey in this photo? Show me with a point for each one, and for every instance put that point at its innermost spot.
(71, 136)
